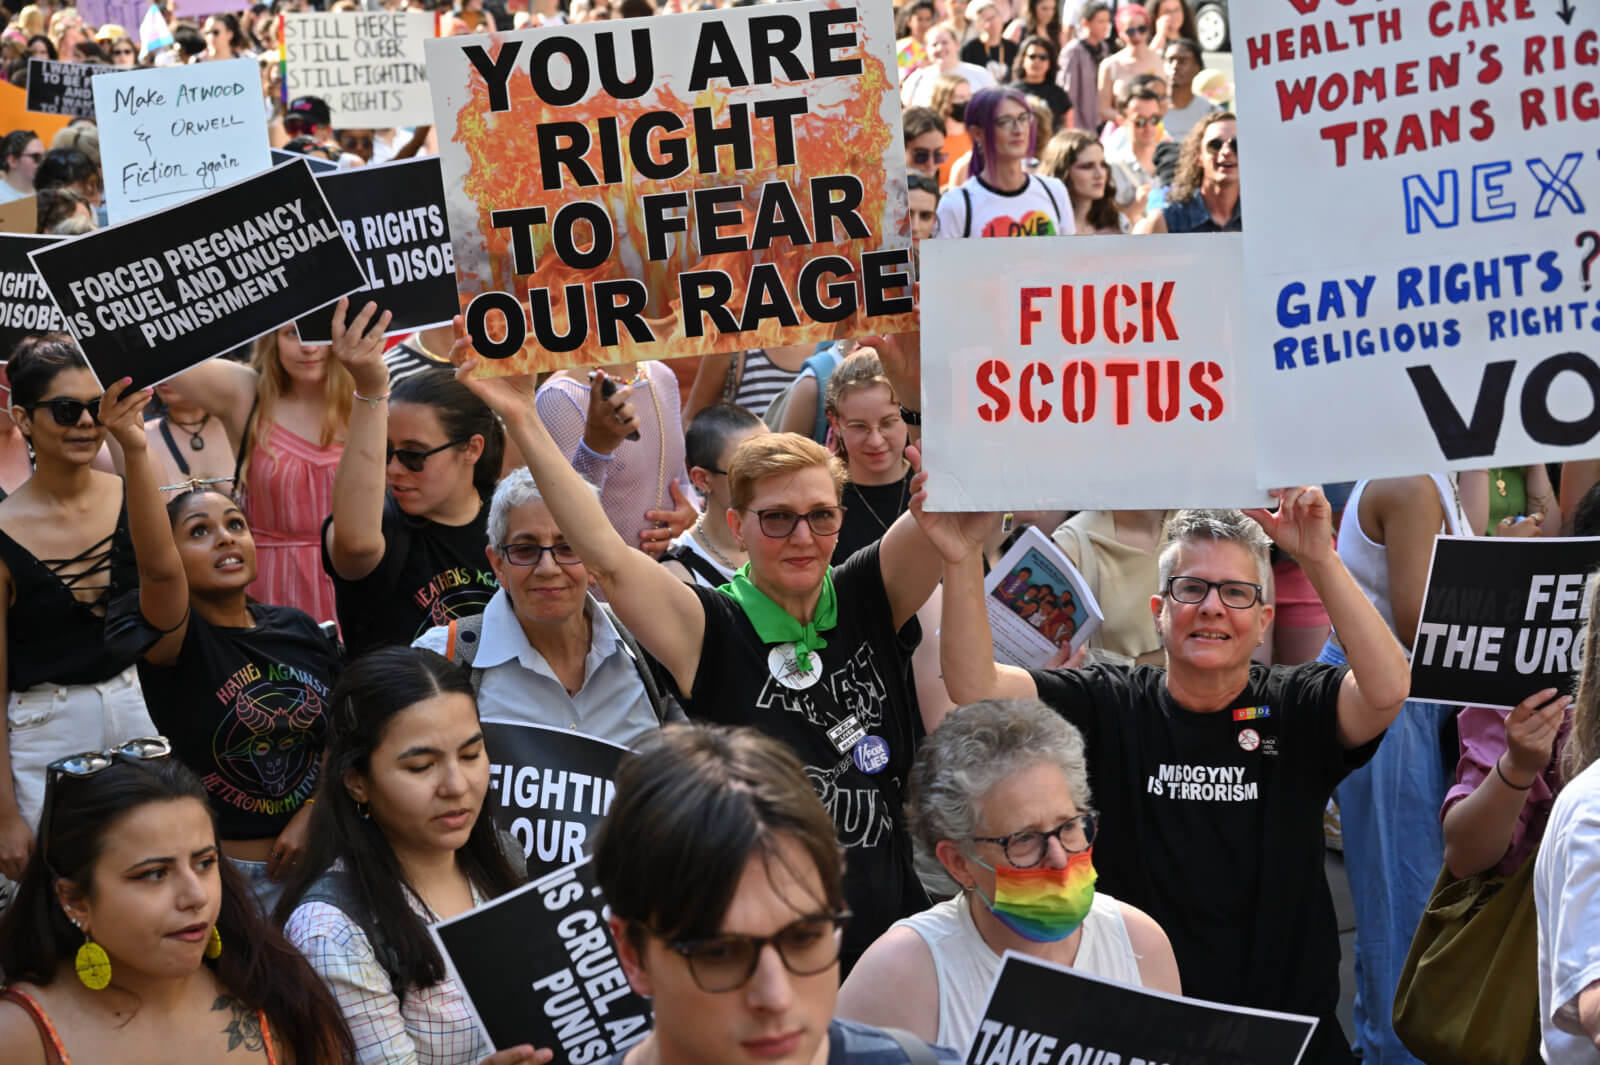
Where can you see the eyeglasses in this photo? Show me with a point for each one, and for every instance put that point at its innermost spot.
(1036, 57)
(87, 764)
(1136, 31)
(35, 156)
(726, 963)
(123, 51)
(1145, 123)
(355, 144)
(68, 412)
(776, 524)
(713, 469)
(413, 459)
(1013, 122)
(1215, 145)
(524, 553)
(928, 157)
(1024, 850)
(1238, 595)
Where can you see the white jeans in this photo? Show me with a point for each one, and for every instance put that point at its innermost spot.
(51, 721)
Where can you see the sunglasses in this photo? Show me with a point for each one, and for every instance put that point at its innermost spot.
(414, 460)
(123, 51)
(1216, 144)
(35, 156)
(1145, 123)
(1136, 31)
(87, 764)
(928, 157)
(68, 412)
(1036, 57)
(295, 125)
(355, 144)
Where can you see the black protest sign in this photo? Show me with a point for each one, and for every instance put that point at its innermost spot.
(393, 218)
(1502, 618)
(1044, 1013)
(539, 966)
(549, 787)
(63, 88)
(153, 296)
(25, 306)
(317, 164)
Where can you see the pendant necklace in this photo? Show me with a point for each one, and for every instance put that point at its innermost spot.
(196, 441)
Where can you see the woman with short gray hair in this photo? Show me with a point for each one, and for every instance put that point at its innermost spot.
(1000, 795)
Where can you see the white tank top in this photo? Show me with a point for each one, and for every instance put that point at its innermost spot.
(965, 966)
(1368, 561)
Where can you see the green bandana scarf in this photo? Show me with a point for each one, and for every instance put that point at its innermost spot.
(776, 625)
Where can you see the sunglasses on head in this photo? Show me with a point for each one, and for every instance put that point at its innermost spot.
(67, 411)
(1216, 144)
(413, 459)
(87, 764)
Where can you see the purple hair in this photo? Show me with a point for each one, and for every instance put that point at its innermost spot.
(982, 110)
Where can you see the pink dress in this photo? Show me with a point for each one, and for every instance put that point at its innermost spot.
(288, 494)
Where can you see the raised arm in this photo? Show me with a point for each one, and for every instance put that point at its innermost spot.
(163, 586)
(910, 562)
(1380, 677)
(355, 538)
(662, 612)
(222, 388)
(1508, 756)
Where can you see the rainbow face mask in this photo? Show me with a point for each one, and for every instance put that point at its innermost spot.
(1041, 904)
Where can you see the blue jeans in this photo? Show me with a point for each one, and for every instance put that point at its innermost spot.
(266, 891)
(1393, 850)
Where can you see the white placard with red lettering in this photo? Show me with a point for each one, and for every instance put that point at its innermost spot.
(1422, 233)
(1086, 373)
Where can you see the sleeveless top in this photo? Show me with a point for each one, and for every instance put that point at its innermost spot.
(1368, 561)
(56, 1054)
(965, 965)
(287, 494)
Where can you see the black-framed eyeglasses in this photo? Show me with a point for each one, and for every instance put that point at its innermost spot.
(413, 459)
(523, 553)
(87, 764)
(726, 963)
(824, 521)
(1216, 144)
(1237, 595)
(67, 411)
(1024, 850)
(713, 469)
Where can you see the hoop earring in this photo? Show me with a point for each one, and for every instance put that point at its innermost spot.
(92, 963)
(365, 810)
(214, 944)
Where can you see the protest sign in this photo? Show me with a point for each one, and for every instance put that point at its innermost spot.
(25, 305)
(539, 966)
(150, 298)
(317, 164)
(124, 13)
(20, 216)
(1042, 1012)
(63, 88)
(367, 65)
(14, 114)
(393, 219)
(1502, 618)
(1093, 373)
(174, 133)
(1038, 603)
(549, 787)
(1420, 251)
(197, 9)
(669, 187)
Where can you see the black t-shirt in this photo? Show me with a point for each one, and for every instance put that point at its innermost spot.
(996, 61)
(246, 709)
(1051, 93)
(1212, 822)
(431, 574)
(863, 697)
(869, 510)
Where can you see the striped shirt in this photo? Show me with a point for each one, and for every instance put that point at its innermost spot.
(761, 382)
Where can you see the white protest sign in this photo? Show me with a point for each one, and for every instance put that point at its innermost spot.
(1421, 239)
(367, 65)
(174, 133)
(1085, 372)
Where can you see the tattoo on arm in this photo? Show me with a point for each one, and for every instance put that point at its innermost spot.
(244, 1024)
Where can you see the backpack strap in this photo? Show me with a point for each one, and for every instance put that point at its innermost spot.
(641, 664)
(916, 1051)
(822, 366)
(461, 645)
(244, 444)
(1045, 185)
(966, 229)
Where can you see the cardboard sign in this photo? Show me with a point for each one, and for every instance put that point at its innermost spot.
(26, 308)
(170, 134)
(1092, 373)
(539, 966)
(14, 114)
(63, 88)
(150, 298)
(1421, 236)
(20, 216)
(393, 219)
(549, 787)
(367, 65)
(317, 164)
(1042, 1012)
(1502, 618)
(658, 188)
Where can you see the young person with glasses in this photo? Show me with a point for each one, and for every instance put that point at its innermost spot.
(65, 554)
(1205, 191)
(1212, 774)
(1000, 796)
(1001, 198)
(923, 129)
(24, 152)
(1034, 73)
(721, 873)
(409, 558)
(131, 941)
(398, 842)
(813, 655)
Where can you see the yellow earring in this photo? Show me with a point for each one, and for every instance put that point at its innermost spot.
(93, 965)
(214, 944)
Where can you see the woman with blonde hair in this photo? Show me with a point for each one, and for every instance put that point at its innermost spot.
(30, 20)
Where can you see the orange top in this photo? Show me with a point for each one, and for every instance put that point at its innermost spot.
(56, 1054)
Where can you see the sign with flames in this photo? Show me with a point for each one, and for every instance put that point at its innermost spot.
(681, 185)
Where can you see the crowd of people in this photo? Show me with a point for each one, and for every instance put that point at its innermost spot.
(255, 618)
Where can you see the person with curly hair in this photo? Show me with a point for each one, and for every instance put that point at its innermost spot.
(1205, 193)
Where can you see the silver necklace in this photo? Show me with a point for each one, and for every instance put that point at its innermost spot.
(705, 541)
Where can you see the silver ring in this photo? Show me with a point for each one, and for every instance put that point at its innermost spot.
(276, 855)
(620, 419)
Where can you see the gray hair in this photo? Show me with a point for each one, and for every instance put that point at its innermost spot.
(514, 489)
(977, 747)
(1218, 526)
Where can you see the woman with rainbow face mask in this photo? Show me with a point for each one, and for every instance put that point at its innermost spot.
(1000, 795)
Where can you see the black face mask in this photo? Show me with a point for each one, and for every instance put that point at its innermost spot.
(959, 111)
